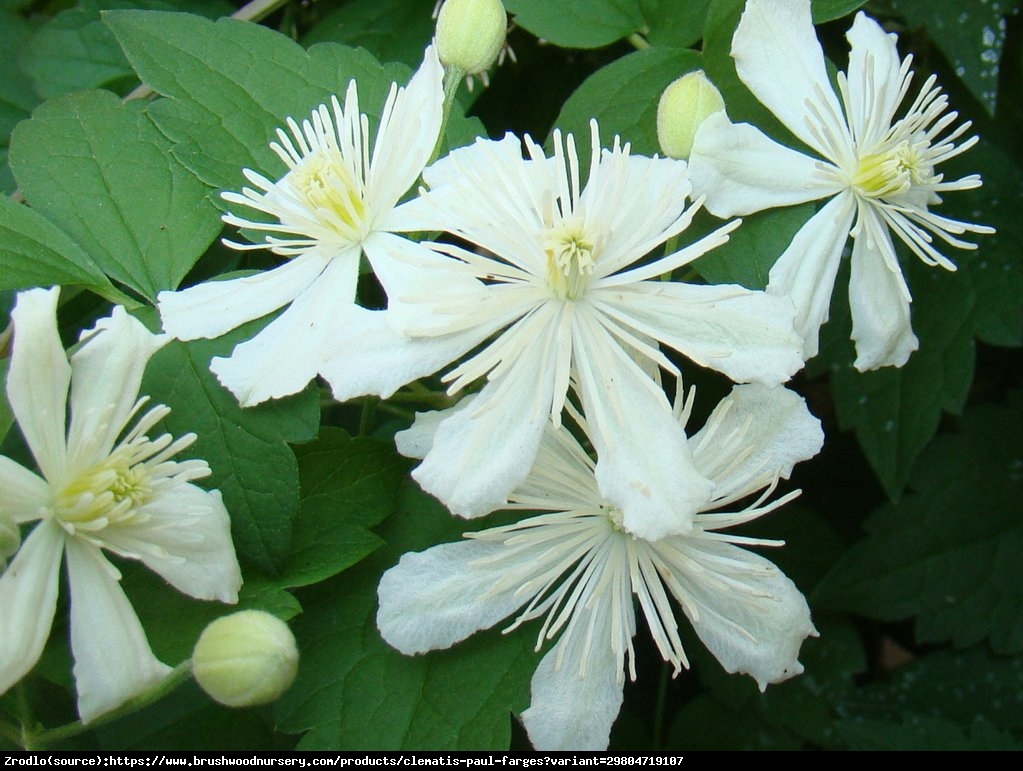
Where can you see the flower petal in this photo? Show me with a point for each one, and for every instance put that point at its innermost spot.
(24, 494)
(480, 454)
(409, 127)
(806, 270)
(185, 537)
(367, 356)
(873, 78)
(779, 59)
(38, 380)
(572, 712)
(28, 596)
(741, 170)
(747, 335)
(767, 430)
(113, 661)
(106, 376)
(644, 465)
(417, 440)
(879, 300)
(435, 598)
(746, 611)
(285, 355)
(213, 308)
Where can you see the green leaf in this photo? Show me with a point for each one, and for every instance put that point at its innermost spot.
(967, 688)
(34, 252)
(17, 97)
(392, 30)
(931, 557)
(970, 35)
(827, 10)
(246, 448)
(753, 248)
(674, 24)
(348, 485)
(579, 24)
(623, 97)
(895, 412)
(74, 50)
(100, 170)
(916, 732)
(233, 83)
(6, 414)
(354, 692)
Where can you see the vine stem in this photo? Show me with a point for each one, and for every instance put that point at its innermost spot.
(50, 736)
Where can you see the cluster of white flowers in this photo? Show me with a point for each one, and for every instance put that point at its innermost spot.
(553, 307)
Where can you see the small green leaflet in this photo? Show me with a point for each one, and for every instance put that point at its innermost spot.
(392, 30)
(578, 24)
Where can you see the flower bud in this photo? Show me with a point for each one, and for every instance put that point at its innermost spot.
(684, 105)
(245, 659)
(10, 538)
(470, 34)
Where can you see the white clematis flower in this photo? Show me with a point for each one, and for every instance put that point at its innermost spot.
(105, 485)
(337, 201)
(880, 171)
(561, 286)
(578, 568)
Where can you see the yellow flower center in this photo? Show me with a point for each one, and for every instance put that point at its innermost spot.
(893, 171)
(614, 517)
(104, 493)
(569, 261)
(325, 183)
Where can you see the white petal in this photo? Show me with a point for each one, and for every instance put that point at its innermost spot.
(28, 597)
(767, 430)
(757, 630)
(779, 59)
(24, 494)
(874, 82)
(285, 355)
(480, 454)
(806, 270)
(644, 465)
(367, 356)
(569, 712)
(215, 307)
(435, 598)
(745, 334)
(416, 440)
(741, 170)
(406, 138)
(185, 537)
(38, 379)
(113, 661)
(106, 376)
(879, 301)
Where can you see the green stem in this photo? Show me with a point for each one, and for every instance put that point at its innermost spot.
(439, 401)
(637, 41)
(369, 407)
(50, 736)
(453, 78)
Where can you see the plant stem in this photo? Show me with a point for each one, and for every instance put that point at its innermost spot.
(50, 736)
(637, 41)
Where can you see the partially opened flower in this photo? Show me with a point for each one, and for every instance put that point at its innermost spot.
(105, 485)
(579, 568)
(878, 163)
(562, 292)
(337, 201)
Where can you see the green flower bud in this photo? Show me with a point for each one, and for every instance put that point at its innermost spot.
(470, 34)
(10, 538)
(245, 659)
(684, 105)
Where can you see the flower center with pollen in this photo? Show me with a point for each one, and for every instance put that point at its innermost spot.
(324, 184)
(893, 171)
(104, 493)
(569, 261)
